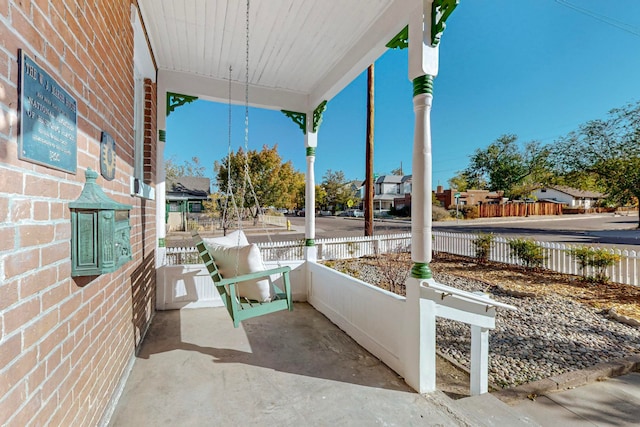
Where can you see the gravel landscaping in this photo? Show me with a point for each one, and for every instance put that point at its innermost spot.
(548, 335)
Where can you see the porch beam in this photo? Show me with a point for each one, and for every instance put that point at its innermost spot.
(218, 90)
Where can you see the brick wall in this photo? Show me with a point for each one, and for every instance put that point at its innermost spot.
(65, 342)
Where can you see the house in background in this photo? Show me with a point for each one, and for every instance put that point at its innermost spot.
(386, 189)
(185, 195)
(572, 197)
(470, 197)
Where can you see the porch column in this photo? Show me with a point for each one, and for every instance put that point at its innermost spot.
(310, 249)
(161, 202)
(425, 29)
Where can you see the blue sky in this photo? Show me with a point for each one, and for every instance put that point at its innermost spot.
(534, 68)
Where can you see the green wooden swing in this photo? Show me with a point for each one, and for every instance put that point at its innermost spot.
(230, 288)
(240, 309)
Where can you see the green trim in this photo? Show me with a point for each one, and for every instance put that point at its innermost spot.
(421, 270)
(161, 242)
(309, 242)
(162, 135)
(298, 118)
(311, 151)
(423, 84)
(440, 11)
(175, 100)
(401, 40)
(317, 115)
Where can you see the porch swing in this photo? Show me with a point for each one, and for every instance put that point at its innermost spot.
(245, 286)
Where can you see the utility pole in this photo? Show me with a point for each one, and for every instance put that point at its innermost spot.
(368, 195)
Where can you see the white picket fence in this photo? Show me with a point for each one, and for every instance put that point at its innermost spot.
(556, 255)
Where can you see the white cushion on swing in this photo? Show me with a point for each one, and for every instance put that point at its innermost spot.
(238, 260)
(237, 238)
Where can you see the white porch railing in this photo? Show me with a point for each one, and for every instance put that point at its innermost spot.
(334, 248)
(557, 259)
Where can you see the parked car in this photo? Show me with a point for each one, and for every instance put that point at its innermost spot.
(357, 213)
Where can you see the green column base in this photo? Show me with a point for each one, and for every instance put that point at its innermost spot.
(421, 270)
(310, 242)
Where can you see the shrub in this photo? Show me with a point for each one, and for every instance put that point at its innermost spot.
(597, 259)
(470, 212)
(482, 243)
(439, 213)
(528, 252)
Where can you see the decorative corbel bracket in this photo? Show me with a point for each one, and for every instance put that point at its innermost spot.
(298, 118)
(440, 11)
(175, 100)
(317, 115)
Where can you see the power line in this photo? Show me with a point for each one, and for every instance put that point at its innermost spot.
(602, 18)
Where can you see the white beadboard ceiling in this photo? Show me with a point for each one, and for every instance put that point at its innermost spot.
(301, 52)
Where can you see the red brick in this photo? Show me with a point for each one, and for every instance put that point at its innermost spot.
(70, 191)
(49, 349)
(54, 253)
(12, 401)
(40, 328)
(17, 316)
(7, 238)
(79, 318)
(37, 281)
(4, 7)
(20, 262)
(64, 271)
(9, 350)
(39, 186)
(20, 210)
(63, 231)
(25, 414)
(26, 29)
(18, 370)
(55, 295)
(55, 380)
(41, 211)
(9, 294)
(10, 181)
(68, 307)
(33, 235)
(58, 211)
(4, 207)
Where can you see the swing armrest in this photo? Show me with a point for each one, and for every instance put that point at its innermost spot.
(253, 276)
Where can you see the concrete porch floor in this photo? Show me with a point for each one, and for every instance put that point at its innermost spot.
(195, 369)
(299, 369)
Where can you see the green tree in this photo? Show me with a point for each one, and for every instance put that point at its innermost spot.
(337, 190)
(606, 152)
(270, 181)
(460, 182)
(504, 166)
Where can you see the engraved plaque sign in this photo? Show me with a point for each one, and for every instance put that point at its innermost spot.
(48, 119)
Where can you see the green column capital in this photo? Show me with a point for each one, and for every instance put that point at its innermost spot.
(423, 84)
(421, 270)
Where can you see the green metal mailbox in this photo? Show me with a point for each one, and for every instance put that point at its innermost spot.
(99, 231)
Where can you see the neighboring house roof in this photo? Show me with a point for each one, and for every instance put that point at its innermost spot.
(389, 179)
(407, 178)
(578, 194)
(192, 186)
